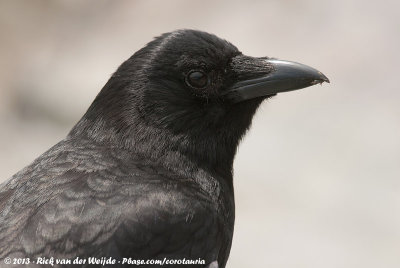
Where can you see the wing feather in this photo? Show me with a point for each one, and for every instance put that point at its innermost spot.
(89, 202)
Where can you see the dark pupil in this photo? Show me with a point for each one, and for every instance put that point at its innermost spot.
(197, 79)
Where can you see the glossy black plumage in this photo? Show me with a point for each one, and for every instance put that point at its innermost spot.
(147, 172)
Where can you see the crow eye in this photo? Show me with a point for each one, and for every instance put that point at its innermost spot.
(197, 79)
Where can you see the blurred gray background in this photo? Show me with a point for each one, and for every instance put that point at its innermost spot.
(318, 176)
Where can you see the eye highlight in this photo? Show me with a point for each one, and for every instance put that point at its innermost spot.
(197, 79)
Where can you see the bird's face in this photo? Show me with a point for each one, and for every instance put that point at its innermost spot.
(197, 81)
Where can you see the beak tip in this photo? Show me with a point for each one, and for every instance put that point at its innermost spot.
(324, 78)
(321, 79)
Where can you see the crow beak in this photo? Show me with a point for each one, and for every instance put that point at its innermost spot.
(284, 76)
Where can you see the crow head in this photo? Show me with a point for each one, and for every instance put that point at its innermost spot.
(188, 94)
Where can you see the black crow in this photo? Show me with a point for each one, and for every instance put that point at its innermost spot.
(146, 173)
